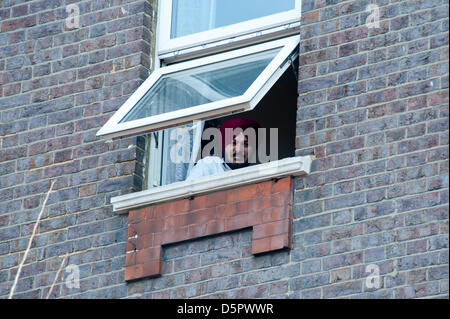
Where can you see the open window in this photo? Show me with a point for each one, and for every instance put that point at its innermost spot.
(215, 60)
(276, 114)
(203, 88)
(166, 179)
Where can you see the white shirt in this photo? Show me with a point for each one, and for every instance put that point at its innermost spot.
(208, 166)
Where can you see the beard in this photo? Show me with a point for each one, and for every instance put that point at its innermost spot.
(234, 164)
(238, 165)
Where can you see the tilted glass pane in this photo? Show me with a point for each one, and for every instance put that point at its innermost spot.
(201, 85)
(193, 16)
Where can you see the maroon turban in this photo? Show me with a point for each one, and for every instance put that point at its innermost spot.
(235, 123)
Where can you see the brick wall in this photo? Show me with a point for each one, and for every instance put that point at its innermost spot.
(372, 108)
(265, 207)
(58, 87)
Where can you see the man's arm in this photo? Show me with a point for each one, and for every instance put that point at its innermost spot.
(209, 165)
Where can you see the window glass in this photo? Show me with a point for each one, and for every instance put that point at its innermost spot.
(201, 85)
(193, 16)
(182, 148)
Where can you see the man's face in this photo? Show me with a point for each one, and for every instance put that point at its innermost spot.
(239, 150)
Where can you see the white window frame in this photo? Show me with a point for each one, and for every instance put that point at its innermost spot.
(168, 45)
(246, 102)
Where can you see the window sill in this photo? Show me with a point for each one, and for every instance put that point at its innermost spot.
(293, 166)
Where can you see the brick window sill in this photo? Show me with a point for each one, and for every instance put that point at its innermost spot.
(293, 166)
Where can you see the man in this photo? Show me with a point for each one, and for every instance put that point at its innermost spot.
(239, 151)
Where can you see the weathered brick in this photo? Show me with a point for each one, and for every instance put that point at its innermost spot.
(343, 232)
(11, 25)
(348, 63)
(95, 70)
(344, 146)
(310, 281)
(373, 109)
(45, 30)
(438, 98)
(316, 84)
(418, 144)
(342, 289)
(312, 223)
(97, 30)
(416, 232)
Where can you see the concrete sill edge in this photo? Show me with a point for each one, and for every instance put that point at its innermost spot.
(292, 166)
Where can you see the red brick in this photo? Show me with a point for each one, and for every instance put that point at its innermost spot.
(131, 244)
(271, 229)
(260, 246)
(130, 258)
(159, 211)
(149, 226)
(148, 255)
(181, 206)
(216, 199)
(224, 211)
(282, 185)
(417, 103)
(196, 231)
(267, 188)
(248, 206)
(198, 202)
(150, 269)
(157, 239)
(248, 192)
(439, 98)
(279, 242)
(270, 244)
(202, 216)
(280, 199)
(232, 195)
(262, 203)
(242, 221)
(215, 227)
(139, 215)
(21, 23)
(244, 206)
(275, 213)
(172, 208)
(174, 222)
(131, 231)
(175, 236)
(146, 241)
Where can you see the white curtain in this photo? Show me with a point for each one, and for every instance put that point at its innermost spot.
(188, 139)
(192, 16)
